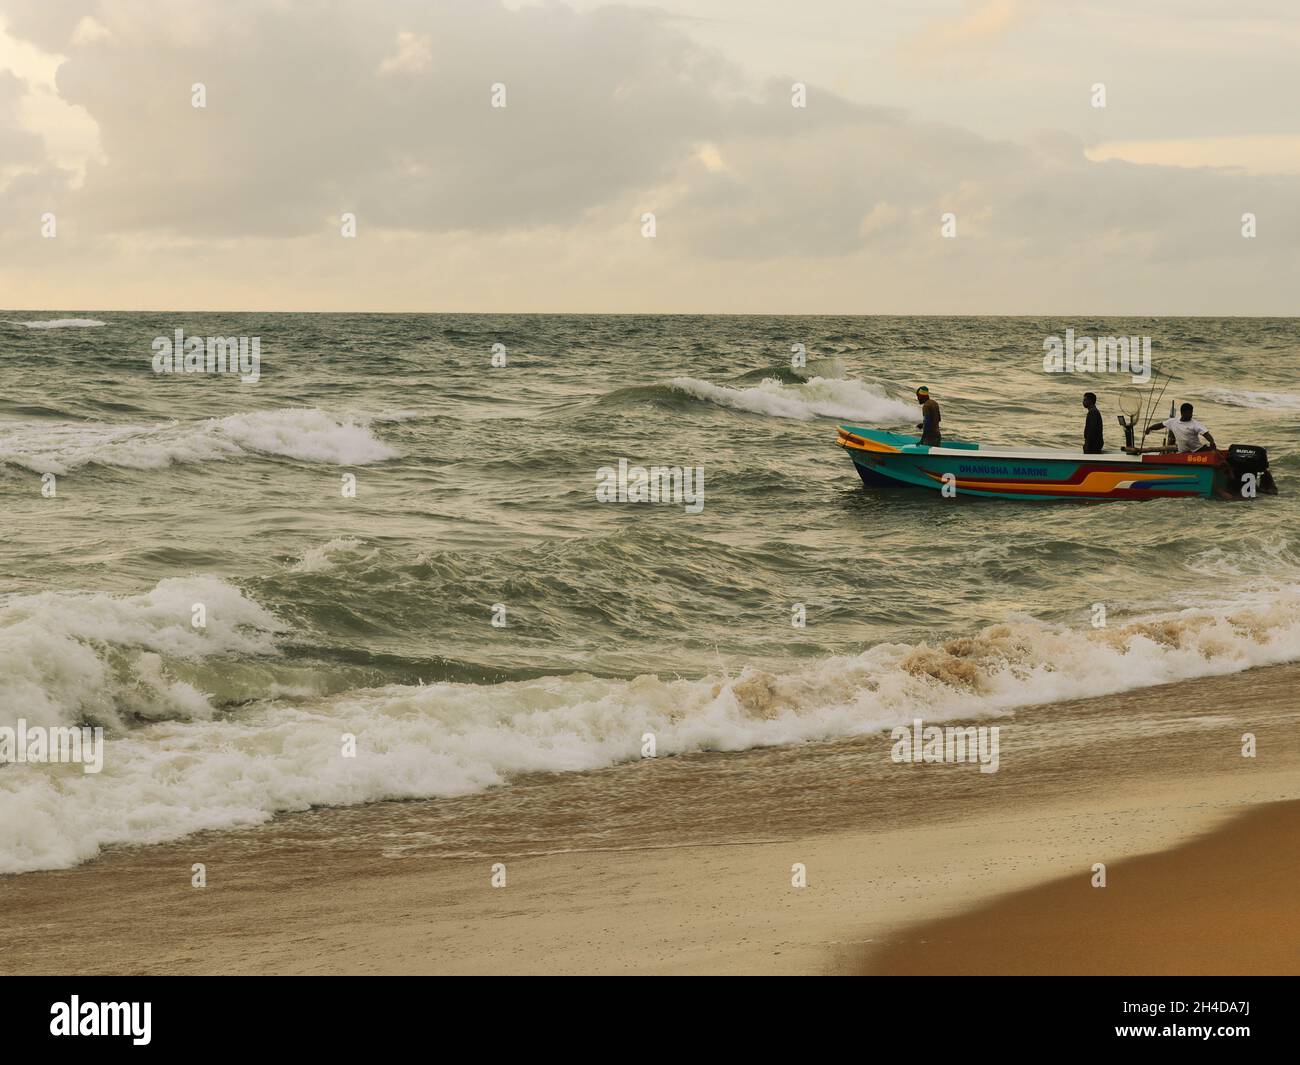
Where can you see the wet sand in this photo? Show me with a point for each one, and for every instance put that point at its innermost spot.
(685, 865)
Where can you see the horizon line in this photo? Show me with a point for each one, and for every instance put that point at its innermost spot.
(643, 314)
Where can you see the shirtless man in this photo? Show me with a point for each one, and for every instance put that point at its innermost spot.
(929, 425)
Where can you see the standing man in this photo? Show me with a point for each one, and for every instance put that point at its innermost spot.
(1186, 430)
(1092, 444)
(929, 424)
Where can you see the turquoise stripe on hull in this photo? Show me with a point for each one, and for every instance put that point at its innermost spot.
(895, 458)
(1200, 485)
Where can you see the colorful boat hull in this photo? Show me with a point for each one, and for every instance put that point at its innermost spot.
(883, 458)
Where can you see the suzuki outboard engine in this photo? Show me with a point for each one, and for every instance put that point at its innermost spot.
(1248, 473)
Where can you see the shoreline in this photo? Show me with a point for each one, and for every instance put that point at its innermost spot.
(679, 865)
(707, 908)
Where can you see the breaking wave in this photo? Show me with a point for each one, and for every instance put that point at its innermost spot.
(64, 323)
(319, 559)
(818, 397)
(305, 434)
(73, 658)
(70, 658)
(1288, 401)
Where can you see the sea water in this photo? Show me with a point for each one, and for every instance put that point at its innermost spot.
(396, 534)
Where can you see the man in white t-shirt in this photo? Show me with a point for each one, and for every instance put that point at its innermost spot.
(1187, 431)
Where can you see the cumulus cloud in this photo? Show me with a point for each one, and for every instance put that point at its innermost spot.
(412, 54)
(385, 110)
(18, 147)
(380, 109)
(30, 185)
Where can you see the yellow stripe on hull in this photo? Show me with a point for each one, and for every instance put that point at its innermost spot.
(1095, 482)
(858, 443)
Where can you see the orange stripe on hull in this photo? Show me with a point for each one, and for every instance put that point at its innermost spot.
(859, 443)
(1098, 482)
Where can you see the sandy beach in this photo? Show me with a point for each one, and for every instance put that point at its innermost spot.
(693, 872)
(1227, 903)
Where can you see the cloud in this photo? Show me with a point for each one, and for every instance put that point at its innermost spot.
(29, 184)
(307, 116)
(1278, 154)
(88, 31)
(384, 110)
(18, 147)
(983, 22)
(413, 54)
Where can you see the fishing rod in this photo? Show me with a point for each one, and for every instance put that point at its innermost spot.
(1131, 402)
(1156, 401)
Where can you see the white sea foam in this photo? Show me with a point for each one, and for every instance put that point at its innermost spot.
(818, 397)
(69, 657)
(1287, 401)
(832, 367)
(65, 323)
(309, 435)
(167, 779)
(318, 559)
(297, 433)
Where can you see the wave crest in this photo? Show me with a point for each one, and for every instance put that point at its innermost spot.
(304, 434)
(818, 397)
(449, 739)
(1286, 401)
(65, 323)
(72, 657)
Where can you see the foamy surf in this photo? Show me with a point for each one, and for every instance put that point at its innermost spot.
(70, 658)
(320, 559)
(65, 323)
(819, 397)
(1287, 401)
(198, 771)
(307, 435)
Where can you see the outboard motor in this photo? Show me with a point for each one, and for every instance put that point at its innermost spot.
(1248, 472)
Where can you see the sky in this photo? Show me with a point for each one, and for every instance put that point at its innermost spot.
(950, 156)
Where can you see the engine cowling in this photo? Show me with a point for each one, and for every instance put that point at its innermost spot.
(1248, 472)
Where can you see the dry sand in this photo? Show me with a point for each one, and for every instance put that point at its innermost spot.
(1227, 903)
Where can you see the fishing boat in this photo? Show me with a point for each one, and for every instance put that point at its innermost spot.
(969, 469)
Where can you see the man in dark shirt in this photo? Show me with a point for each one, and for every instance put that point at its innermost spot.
(1092, 426)
(929, 424)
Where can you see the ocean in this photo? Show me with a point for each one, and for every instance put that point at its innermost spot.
(391, 543)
